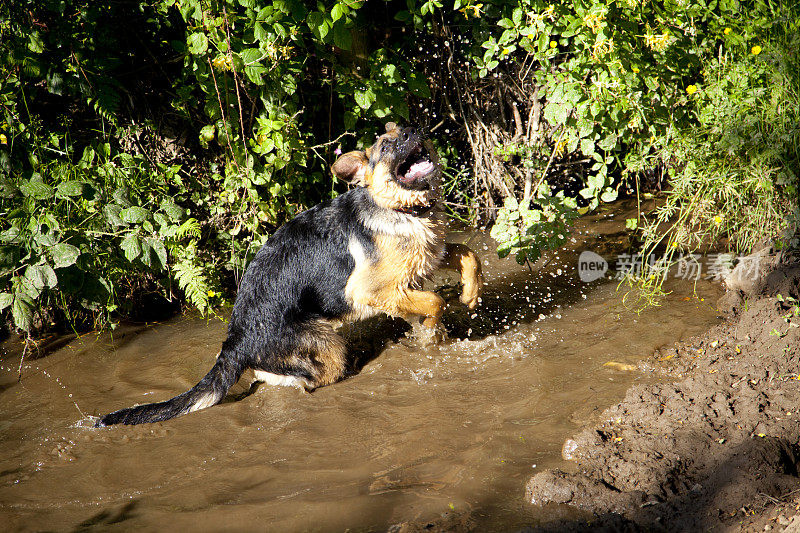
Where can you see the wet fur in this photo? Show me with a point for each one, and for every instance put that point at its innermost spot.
(360, 254)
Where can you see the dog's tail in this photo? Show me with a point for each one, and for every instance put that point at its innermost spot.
(209, 391)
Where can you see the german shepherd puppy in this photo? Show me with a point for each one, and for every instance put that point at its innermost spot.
(365, 252)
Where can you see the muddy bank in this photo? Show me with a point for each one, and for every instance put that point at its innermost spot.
(713, 448)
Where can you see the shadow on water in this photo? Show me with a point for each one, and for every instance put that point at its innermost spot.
(106, 518)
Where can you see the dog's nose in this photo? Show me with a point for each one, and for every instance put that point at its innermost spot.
(406, 134)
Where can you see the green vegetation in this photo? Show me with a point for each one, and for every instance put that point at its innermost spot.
(150, 147)
(734, 171)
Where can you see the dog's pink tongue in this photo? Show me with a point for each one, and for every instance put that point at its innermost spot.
(419, 169)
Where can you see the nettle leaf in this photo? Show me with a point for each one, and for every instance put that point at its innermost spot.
(198, 43)
(160, 251)
(41, 276)
(135, 214)
(112, 212)
(69, 188)
(64, 255)
(131, 247)
(556, 113)
(22, 311)
(36, 189)
(6, 299)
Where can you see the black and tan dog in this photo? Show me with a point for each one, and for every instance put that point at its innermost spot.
(365, 252)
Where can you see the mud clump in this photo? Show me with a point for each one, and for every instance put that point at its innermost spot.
(715, 449)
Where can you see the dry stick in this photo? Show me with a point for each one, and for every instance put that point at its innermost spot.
(235, 77)
(517, 117)
(222, 111)
(489, 141)
(544, 172)
(28, 342)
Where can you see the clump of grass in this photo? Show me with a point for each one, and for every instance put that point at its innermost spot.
(733, 175)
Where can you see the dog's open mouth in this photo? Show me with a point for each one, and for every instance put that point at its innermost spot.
(417, 165)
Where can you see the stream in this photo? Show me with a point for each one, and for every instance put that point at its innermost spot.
(439, 434)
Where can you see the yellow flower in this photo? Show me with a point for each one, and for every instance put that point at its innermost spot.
(553, 44)
(560, 147)
(717, 220)
(505, 51)
(3, 138)
(475, 9)
(726, 31)
(594, 20)
(211, 293)
(755, 50)
(691, 89)
(658, 42)
(635, 70)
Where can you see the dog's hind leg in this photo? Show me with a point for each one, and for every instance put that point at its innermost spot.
(314, 355)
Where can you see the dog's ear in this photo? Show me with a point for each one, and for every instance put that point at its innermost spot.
(352, 167)
(390, 126)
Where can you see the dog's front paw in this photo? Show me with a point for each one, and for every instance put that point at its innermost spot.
(426, 336)
(472, 291)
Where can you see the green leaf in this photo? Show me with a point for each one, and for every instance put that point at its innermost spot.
(36, 189)
(64, 255)
(587, 146)
(160, 250)
(22, 311)
(556, 113)
(6, 299)
(609, 195)
(364, 99)
(336, 12)
(69, 188)
(608, 143)
(596, 181)
(146, 258)
(35, 43)
(41, 276)
(173, 210)
(251, 56)
(135, 214)
(255, 74)
(131, 246)
(112, 212)
(198, 43)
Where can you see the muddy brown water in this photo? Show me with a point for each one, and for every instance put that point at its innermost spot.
(420, 433)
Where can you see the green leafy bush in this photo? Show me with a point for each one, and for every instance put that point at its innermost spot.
(154, 145)
(735, 173)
